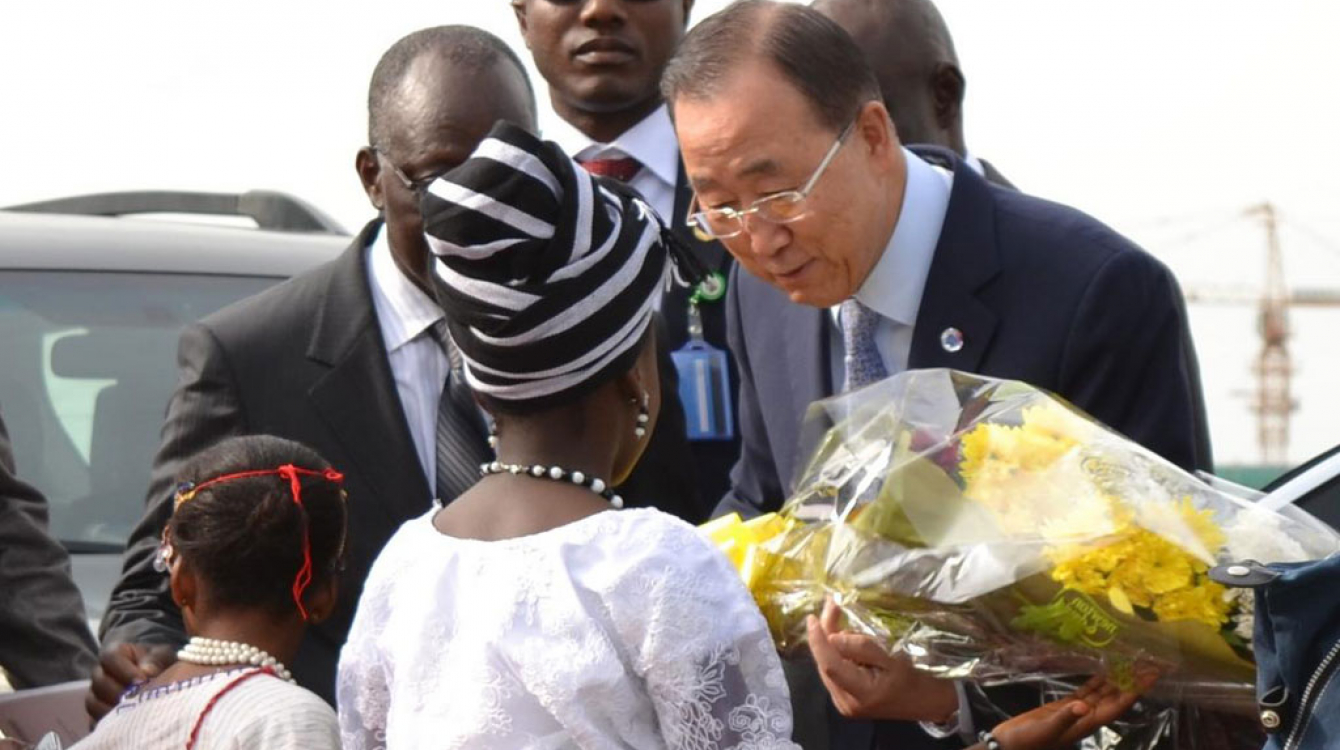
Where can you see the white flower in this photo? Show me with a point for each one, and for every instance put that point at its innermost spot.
(1255, 534)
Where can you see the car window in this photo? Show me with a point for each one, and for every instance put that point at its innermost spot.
(87, 367)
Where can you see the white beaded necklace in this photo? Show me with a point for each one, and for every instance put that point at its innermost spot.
(557, 474)
(212, 652)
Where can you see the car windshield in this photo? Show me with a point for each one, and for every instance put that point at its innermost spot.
(88, 367)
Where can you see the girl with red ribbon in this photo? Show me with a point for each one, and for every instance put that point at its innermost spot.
(253, 548)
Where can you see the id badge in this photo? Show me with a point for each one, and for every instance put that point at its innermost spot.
(704, 390)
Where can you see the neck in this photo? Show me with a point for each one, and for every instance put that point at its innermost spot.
(277, 636)
(956, 142)
(406, 262)
(528, 445)
(897, 195)
(603, 127)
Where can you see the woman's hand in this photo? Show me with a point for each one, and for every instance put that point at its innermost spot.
(1066, 721)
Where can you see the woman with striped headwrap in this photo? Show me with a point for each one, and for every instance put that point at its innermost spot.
(532, 612)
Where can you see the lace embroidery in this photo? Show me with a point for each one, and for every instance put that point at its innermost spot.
(626, 629)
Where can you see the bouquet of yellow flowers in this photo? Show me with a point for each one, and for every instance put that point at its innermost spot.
(993, 532)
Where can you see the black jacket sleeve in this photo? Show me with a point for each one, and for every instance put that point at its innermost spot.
(44, 638)
(203, 410)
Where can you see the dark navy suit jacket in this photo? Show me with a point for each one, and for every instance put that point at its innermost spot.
(1041, 292)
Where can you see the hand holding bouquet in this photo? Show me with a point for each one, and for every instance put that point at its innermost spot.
(991, 531)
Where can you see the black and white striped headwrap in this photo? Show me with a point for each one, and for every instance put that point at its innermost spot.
(548, 275)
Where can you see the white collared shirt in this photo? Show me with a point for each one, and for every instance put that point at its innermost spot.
(419, 367)
(895, 285)
(651, 141)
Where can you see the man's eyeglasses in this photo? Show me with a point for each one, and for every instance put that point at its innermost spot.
(778, 208)
(415, 186)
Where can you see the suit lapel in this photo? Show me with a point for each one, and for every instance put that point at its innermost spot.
(805, 331)
(966, 259)
(357, 397)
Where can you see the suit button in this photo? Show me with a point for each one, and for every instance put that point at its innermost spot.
(951, 339)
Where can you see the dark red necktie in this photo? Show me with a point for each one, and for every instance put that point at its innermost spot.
(622, 170)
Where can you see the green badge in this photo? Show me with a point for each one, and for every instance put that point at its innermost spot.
(710, 289)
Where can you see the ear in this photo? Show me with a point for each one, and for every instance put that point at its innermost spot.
(519, 9)
(321, 601)
(369, 169)
(630, 383)
(184, 584)
(874, 126)
(948, 87)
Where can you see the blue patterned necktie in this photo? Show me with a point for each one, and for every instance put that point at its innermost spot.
(861, 359)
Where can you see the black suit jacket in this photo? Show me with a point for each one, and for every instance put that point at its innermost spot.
(305, 360)
(1041, 292)
(1204, 452)
(713, 459)
(44, 638)
(994, 176)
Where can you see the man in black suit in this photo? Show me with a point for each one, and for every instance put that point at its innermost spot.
(859, 259)
(347, 358)
(44, 638)
(909, 47)
(603, 60)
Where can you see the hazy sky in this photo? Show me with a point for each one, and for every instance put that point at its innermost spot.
(1164, 119)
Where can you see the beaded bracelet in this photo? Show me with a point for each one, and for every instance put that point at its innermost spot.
(988, 740)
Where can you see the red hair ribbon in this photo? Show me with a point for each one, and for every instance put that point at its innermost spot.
(293, 474)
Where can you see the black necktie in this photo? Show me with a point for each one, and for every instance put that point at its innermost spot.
(461, 436)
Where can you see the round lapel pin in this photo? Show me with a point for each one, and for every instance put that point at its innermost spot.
(951, 339)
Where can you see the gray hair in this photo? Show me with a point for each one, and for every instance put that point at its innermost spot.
(810, 51)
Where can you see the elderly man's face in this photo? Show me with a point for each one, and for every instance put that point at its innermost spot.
(759, 136)
(602, 55)
(441, 114)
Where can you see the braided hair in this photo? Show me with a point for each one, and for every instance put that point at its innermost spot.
(245, 536)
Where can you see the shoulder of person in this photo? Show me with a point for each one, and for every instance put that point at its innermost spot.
(289, 303)
(647, 533)
(656, 552)
(1065, 239)
(400, 555)
(277, 714)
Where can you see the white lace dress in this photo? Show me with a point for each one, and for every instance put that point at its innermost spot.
(622, 630)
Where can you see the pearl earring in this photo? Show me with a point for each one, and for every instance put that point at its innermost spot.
(493, 435)
(643, 416)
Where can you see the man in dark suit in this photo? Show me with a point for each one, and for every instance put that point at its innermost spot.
(603, 60)
(348, 358)
(44, 638)
(909, 47)
(859, 258)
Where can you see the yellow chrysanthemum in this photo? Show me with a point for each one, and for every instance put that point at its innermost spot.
(1151, 554)
(1203, 602)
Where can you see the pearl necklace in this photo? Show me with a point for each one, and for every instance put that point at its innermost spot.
(556, 473)
(211, 652)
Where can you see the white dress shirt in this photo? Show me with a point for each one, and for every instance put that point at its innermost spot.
(405, 313)
(651, 141)
(895, 285)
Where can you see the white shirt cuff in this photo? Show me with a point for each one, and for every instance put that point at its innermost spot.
(960, 723)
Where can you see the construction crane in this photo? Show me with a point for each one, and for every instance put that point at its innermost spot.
(1272, 399)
